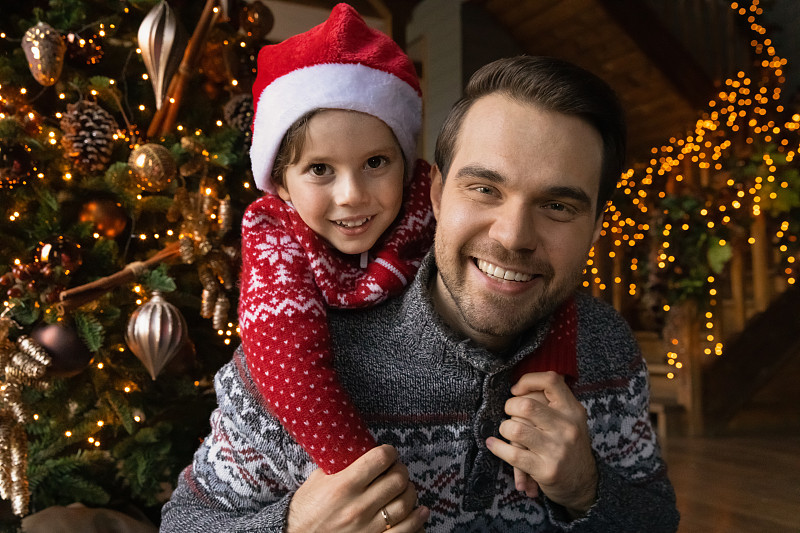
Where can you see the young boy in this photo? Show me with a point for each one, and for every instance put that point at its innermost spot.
(345, 221)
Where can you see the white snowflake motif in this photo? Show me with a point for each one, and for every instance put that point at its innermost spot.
(283, 249)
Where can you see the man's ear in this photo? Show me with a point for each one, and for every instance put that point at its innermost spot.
(437, 183)
(598, 226)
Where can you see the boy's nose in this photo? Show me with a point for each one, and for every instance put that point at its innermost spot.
(350, 189)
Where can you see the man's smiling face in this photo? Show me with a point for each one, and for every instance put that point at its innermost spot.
(515, 217)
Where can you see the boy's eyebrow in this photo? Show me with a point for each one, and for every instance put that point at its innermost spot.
(556, 191)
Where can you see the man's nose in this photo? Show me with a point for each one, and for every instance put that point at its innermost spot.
(513, 227)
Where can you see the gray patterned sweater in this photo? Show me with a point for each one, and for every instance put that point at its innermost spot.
(436, 398)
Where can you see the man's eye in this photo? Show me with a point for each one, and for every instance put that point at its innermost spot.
(376, 161)
(559, 211)
(483, 189)
(319, 169)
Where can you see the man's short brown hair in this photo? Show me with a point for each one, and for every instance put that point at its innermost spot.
(554, 85)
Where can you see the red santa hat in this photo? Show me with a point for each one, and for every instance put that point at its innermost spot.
(340, 64)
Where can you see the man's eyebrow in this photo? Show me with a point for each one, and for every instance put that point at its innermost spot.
(557, 191)
(573, 193)
(477, 171)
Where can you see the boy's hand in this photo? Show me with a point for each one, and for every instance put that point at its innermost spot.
(353, 499)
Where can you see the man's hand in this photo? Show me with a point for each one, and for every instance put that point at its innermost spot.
(550, 440)
(353, 499)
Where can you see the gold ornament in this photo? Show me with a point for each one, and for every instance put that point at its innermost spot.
(20, 492)
(206, 276)
(153, 167)
(208, 301)
(44, 49)
(156, 331)
(224, 216)
(11, 399)
(5, 327)
(5, 457)
(34, 351)
(25, 363)
(221, 312)
(162, 41)
(187, 250)
(220, 266)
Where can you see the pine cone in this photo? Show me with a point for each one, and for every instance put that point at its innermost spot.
(238, 112)
(88, 135)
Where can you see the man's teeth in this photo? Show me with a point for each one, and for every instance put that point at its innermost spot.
(352, 223)
(497, 272)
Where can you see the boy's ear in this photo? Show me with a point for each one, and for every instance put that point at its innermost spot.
(437, 183)
(283, 192)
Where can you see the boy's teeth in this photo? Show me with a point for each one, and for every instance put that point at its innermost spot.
(497, 272)
(352, 223)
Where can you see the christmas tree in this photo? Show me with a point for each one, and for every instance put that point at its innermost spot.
(124, 138)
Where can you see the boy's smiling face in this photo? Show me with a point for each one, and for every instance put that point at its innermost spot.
(347, 184)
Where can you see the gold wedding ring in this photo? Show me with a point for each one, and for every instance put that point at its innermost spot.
(386, 518)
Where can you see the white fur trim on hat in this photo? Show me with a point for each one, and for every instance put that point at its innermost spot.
(347, 86)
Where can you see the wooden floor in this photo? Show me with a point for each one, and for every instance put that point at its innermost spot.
(736, 484)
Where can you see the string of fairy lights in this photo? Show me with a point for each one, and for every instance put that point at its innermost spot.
(742, 111)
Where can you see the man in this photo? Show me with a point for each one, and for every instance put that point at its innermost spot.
(524, 167)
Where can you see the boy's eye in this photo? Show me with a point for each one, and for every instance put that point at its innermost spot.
(376, 161)
(319, 169)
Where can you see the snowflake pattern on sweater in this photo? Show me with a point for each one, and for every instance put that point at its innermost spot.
(290, 277)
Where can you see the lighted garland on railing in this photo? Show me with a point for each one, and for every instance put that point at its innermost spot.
(698, 195)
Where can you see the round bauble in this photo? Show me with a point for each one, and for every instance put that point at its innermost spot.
(59, 251)
(69, 354)
(153, 167)
(108, 217)
(256, 19)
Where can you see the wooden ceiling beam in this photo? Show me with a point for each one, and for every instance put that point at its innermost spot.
(664, 50)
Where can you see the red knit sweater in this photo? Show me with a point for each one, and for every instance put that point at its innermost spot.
(289, 277)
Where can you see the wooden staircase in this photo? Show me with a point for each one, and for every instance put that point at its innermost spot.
(752, 359)
(749, 388)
